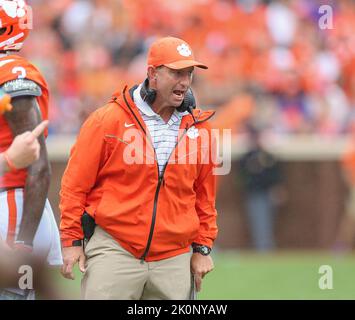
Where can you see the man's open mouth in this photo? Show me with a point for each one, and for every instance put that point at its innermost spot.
(179, 93)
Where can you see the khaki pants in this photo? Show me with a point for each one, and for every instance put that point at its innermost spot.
(114, 273)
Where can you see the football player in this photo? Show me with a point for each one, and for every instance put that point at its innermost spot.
(26, 218)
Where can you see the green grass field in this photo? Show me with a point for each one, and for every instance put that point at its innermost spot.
(248, 276)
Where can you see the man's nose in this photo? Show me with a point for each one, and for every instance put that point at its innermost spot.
(185, 80)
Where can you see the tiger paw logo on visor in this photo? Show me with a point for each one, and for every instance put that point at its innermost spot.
(184, 50)
(13, 9)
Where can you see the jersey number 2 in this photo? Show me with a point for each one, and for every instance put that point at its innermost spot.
(20, 71)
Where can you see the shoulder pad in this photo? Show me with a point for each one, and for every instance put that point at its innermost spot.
(22, 87)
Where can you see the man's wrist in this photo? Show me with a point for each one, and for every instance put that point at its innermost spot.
(77, 243)
(10, 165)
(3, 163)
(72, 243)
(200, 248)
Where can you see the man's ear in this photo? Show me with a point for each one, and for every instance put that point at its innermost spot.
(152, 74)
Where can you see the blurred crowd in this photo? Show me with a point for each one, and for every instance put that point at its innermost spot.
(268, 60)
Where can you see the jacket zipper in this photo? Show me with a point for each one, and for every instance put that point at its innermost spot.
(160, 180)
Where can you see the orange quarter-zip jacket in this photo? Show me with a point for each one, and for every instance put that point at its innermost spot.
(113, 175)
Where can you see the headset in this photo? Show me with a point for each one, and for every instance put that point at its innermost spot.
(149, 96)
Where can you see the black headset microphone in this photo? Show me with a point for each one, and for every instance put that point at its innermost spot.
(149, 95)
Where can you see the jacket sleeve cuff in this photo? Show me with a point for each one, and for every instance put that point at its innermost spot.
(204, 241)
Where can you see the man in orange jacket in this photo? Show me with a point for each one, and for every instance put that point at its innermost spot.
(143, 168)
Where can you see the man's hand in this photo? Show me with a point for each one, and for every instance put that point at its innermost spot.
(200, 266)
(25, 148)
(72, 255)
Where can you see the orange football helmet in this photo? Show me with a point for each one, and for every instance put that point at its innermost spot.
(15, 24)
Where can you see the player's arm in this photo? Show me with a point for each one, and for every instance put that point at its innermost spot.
(25, 116)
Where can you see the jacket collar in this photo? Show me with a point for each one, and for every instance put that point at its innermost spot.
(125, 100)
(145, 108)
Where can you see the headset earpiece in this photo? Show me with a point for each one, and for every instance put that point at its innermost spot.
(148, 95)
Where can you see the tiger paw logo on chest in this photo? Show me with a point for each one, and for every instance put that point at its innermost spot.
(15, 8)
(184, 50)
(193, 133)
